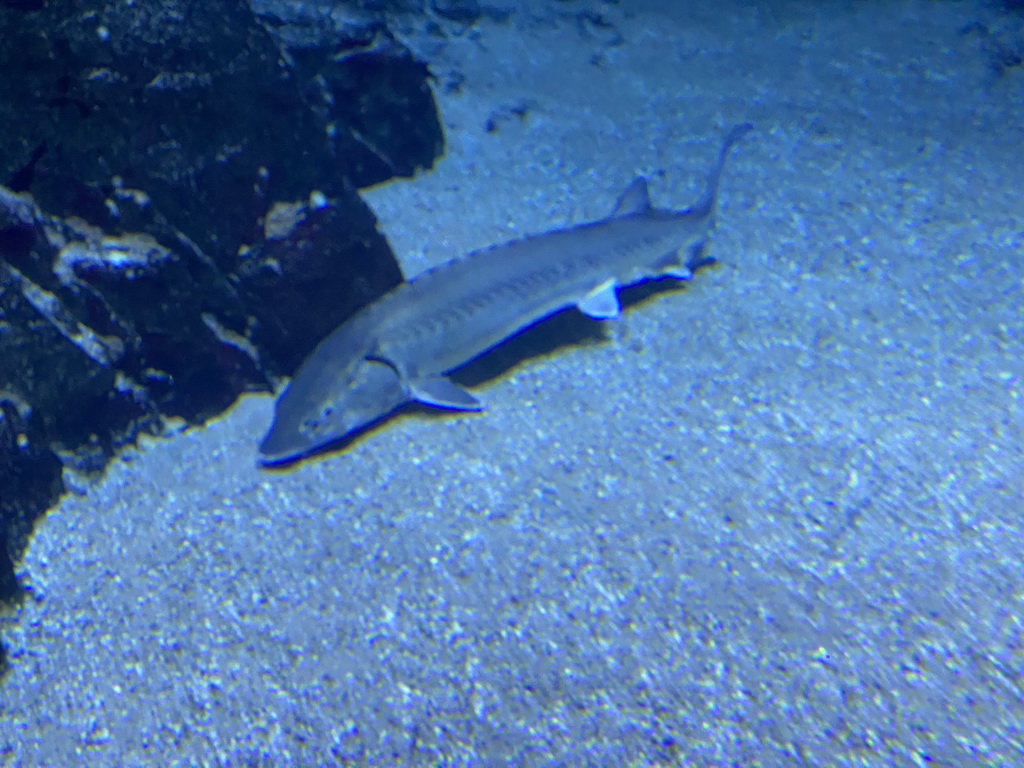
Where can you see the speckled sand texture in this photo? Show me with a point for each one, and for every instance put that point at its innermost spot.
(773, 518)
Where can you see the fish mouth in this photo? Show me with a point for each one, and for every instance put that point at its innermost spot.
(277, 448)
(302, 426)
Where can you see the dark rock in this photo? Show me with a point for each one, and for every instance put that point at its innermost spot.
(30, 483)
(25, 5)
(189, 225)
(394, 6)
(291, 270)
(461, 11)
(192, 104)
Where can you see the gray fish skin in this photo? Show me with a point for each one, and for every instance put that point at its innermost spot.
(400, 348)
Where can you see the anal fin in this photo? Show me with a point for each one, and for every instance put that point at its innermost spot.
(672, 265)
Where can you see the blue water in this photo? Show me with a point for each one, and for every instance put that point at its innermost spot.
(773, 518)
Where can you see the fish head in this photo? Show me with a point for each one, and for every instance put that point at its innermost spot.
(306, 420)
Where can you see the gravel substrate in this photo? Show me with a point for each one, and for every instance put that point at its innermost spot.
(772, 517)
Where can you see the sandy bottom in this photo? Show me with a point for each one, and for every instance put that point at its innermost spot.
(774, 515)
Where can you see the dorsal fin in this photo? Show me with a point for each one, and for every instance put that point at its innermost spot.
(636, 199)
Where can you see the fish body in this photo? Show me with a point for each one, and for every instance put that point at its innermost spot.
(400, 348)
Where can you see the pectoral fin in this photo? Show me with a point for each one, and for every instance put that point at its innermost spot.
(442, 393)
(601, 303)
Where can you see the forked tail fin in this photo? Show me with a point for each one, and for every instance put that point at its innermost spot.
(705, 207)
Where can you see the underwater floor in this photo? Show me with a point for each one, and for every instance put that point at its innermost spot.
(772, 516)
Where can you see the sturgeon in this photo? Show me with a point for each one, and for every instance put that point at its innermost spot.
(400, 348)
